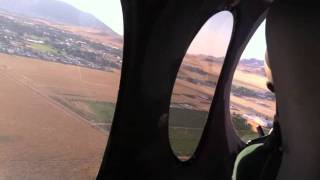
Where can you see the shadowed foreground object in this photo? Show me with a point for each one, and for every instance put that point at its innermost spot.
(293, 36)
(157, 36)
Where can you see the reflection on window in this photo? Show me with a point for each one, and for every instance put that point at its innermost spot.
(196, 82)
(60, 70)
(252, 104)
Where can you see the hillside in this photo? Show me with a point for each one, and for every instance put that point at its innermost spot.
(254, 66)
(48, 10)
(198, 78)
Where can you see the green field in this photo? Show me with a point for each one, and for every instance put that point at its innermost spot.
(185, 129)
(97, 111)
(244, 130)
(44, 48)
(184, 141)
(103, 111)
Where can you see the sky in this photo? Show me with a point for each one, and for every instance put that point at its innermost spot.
(107, 11)
(257, 46)
(213, 38)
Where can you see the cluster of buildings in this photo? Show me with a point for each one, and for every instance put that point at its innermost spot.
(40, 41)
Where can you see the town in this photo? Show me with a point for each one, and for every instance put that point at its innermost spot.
(23, 37)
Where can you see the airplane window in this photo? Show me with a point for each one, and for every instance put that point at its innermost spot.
(196, 82)
(252, 104)
(60, 65)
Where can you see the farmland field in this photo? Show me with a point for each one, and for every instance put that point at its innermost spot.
(59, 85)
(91, 94)
(36, 131)
(52, 100)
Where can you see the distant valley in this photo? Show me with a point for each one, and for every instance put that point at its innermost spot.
(54, 11)
(48, 41)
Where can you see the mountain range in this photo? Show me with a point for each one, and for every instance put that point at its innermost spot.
(53, 10)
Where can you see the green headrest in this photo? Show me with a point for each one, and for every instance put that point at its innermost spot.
(246, 163)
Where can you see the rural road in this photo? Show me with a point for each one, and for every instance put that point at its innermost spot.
(40, 141)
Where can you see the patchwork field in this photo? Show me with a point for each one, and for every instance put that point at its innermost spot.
(66, 92)
(78, 70)
(90, 95)
(251, 104)
(198, 79)
(87, 93)
(40, 138)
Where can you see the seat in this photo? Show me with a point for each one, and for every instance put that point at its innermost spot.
(260, 161)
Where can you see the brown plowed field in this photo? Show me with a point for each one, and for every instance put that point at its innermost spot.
(40, 139)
